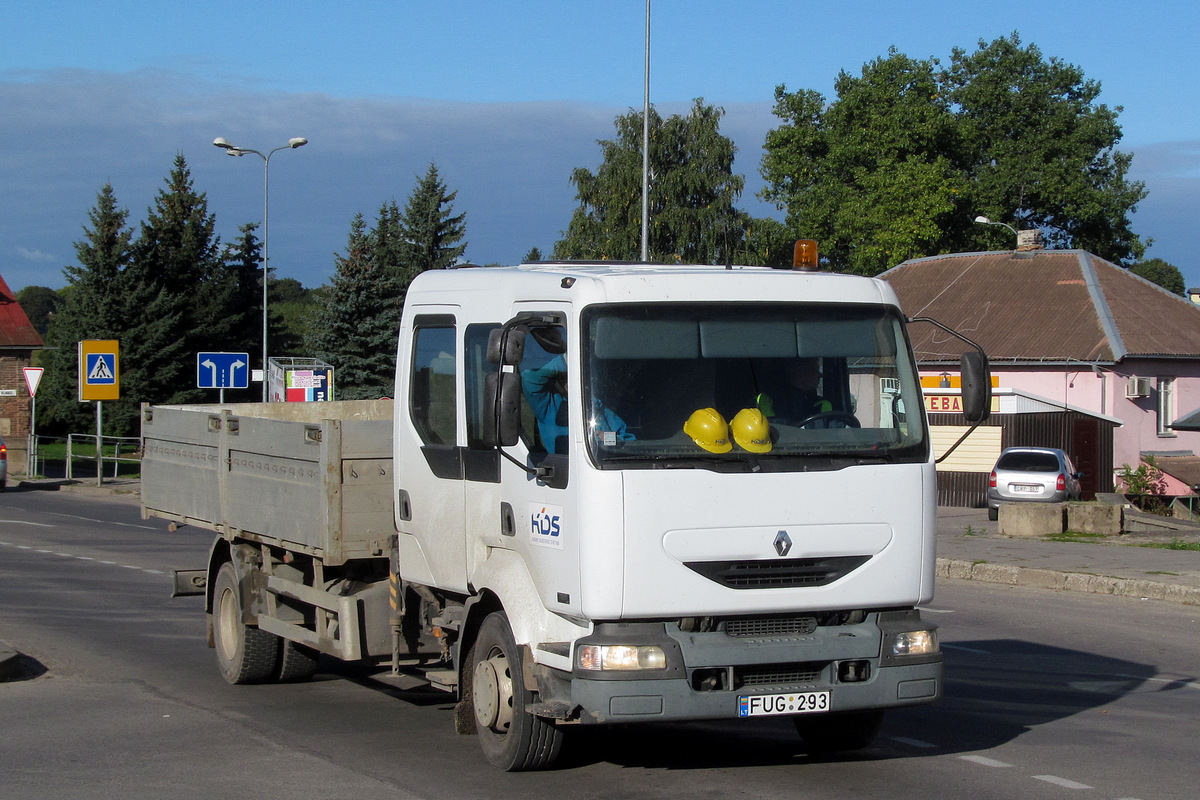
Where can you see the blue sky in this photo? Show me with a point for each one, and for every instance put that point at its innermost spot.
(505, 97)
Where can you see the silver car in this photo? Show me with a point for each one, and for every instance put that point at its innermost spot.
(1032, 474)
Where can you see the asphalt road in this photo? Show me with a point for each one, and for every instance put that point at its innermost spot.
(1048, 695)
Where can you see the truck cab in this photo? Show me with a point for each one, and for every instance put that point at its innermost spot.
(646, 493)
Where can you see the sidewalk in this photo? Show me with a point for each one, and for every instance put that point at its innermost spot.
(969, 547)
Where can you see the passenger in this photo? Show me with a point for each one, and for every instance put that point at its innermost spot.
(546, 390)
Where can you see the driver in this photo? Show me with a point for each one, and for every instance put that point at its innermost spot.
(800, 398)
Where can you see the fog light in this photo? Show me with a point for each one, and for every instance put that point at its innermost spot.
(600, 657)
(915, 643)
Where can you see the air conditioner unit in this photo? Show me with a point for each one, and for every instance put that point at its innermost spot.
(1137, 387)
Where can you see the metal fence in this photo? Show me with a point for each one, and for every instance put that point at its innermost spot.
(84, 457)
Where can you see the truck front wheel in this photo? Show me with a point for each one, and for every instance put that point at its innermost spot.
(512, 738)
(244, 654)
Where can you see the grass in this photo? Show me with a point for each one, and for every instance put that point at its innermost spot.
(1174, 544)
(1076, 536)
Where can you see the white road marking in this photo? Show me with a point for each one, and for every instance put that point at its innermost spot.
(84, 558)
(1176, 681)
(985, 761)
(1063, 782)
(965, 649)
(25, 522)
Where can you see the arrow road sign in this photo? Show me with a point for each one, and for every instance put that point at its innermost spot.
(222, 370)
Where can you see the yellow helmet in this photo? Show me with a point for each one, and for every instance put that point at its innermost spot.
(751, 430)
(708, 429)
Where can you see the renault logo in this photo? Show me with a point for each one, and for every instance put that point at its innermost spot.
(783, 543)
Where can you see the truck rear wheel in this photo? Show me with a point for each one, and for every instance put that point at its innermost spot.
(244, 654)
(512, 738)
(832, 733)
(297, 663)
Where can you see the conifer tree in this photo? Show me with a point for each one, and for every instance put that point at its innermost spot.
(430, 228)
(172, 281)
(94, 308)
(355, 329)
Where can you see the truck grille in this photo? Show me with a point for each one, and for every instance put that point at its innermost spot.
(778, 674)
(778, 573)
(771, 626)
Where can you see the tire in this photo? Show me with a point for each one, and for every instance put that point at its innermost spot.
(511, 738)
(244, 654)
(297, 662)
(993, 513)
(832, 733)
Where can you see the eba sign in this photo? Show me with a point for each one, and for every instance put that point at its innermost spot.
(99, 370)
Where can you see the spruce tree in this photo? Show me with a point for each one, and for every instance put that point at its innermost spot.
(430, 228)
(173, 284)
(94, 308)
(355, 329)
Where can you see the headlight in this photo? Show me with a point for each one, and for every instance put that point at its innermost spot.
(915, 643)
(599, 657)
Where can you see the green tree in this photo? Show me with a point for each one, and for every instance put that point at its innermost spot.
(175, 300)
(533, 256)
(1038, 150)
(433, 234)
(39, 303)
(355, 328)
(95, 308)
(869, 176)
(292, 307)
(1164, 274)
(692, 193)
(906, 156)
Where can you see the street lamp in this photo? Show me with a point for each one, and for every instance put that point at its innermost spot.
(234, 150)
(985, 221)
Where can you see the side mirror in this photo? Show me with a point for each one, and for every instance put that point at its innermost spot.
(510, 339)
(502, 409)
(976, 386)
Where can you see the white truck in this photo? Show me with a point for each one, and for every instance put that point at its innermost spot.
(602, 492)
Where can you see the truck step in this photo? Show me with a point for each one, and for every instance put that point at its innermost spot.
(444, 679)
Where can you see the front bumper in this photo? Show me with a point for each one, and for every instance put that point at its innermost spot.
(709, 672)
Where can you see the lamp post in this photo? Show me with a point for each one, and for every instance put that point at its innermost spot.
(982, 220)
(234, 150)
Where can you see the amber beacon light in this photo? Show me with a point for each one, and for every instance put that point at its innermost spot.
(804, 257)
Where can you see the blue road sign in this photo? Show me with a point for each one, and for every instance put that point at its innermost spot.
(101, 369)
(222, 370)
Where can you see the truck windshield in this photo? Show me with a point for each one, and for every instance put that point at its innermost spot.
(769, 386)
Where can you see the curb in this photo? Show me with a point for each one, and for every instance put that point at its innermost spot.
(1066, 581)
(10, 663)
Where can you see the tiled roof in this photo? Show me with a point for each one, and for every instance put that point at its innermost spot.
(1052, 306)
(15, 328)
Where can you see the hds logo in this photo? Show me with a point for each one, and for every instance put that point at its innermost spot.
(545, 525)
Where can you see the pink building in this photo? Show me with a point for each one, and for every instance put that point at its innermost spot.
(1068, 333)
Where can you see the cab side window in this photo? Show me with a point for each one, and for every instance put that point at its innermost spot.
(432, 387)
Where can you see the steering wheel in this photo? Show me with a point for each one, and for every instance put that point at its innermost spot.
(847, 419)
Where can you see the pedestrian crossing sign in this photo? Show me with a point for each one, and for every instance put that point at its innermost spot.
(99, 370)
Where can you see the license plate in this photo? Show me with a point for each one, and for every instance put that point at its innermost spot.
(1026, 487)
(769, 705)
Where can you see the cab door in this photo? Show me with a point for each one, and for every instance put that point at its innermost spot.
(429, 465)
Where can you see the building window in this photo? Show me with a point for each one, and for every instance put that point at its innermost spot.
(1166, 406)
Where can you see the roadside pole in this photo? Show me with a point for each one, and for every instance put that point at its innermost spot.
(33, 376)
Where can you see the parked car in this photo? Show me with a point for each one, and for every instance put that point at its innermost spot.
(3, 464)
(1032, 475)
